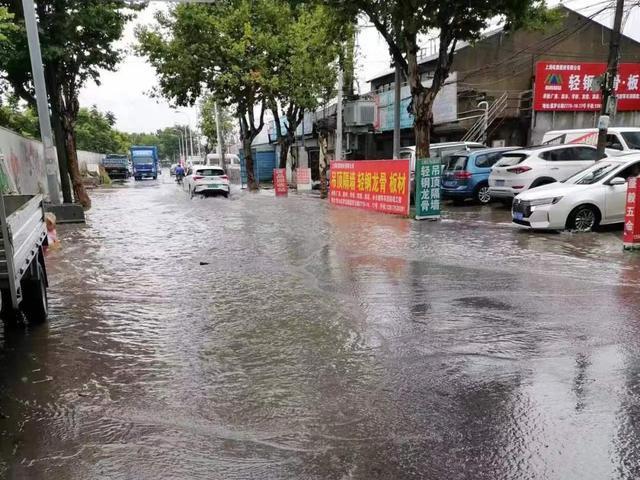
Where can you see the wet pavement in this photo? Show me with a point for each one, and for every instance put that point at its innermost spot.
(281, 338)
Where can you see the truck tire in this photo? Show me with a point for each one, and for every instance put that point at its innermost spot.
(35, 303)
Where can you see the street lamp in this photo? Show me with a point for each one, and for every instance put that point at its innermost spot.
(180, 142)
(185, 131)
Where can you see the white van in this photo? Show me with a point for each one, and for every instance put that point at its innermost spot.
(439, 150)
(625, 139)
(229, 158)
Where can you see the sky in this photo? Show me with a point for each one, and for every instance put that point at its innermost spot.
(125, 92)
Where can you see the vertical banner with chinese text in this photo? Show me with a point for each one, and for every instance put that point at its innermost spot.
(280, 181)
(631, 235)
(379, 185)
(428, 172)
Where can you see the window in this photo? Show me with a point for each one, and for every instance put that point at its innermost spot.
(585, 153)
(632, 139)
(631, 171)
(210, 172)
(593, 174)
(488, 159)
(575, 154)
(511, 159)
(457, 162)
(613, 142)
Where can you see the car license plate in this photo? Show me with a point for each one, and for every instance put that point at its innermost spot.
(214, 185)
(499, 183)
(449, 184)
(518, 215)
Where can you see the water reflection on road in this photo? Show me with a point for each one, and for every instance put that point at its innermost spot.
(280, 338)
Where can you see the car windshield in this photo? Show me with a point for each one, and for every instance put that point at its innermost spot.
(593, 174)
(510, 159)
(632, 139)
(209, 172)
(456, 162)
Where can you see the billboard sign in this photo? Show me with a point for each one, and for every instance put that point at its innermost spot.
(573, 87)
(378, 185)
(428, 173)
(445, 106)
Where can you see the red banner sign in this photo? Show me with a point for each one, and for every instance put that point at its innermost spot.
(380, 185)
(280, 181)
(631, 236)
(569, 87)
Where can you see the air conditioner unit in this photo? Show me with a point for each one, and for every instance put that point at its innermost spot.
(359, 113)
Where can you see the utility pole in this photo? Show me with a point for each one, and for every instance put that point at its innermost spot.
(338, 143)
(50, 156)
(191, 139)
(609, 99)
(219, 146)
(397, 99)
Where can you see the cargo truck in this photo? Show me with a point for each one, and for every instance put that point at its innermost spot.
(145, 162)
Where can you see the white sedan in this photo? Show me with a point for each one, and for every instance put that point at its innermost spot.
(592, 197)
(203, 180)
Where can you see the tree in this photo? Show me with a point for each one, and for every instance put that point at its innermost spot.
(309, 45)
(403, 22)
(77, 38)
(19, 117)
(95, 132)
(226, 48)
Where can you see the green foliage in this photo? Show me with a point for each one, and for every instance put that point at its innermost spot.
(77, 40)
(402, 24)
(95, 132)
(20, 118)
(167, 140)
(208, 122)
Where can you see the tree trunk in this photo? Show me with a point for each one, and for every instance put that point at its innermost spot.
(423, 119)
(58, 132)
(74, 170)
(63, 161)
(284, 152)
(322, 162)
(248, 162)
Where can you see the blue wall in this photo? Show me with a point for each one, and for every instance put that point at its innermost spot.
(263, 164)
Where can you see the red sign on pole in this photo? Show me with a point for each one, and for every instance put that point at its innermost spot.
(379, 185)
(569, 86)
(631, 236)
(280, 182)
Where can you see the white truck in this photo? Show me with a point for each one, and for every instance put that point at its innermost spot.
(625, 139)
(23, 274)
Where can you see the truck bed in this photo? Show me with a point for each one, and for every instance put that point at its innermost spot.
(20, 236)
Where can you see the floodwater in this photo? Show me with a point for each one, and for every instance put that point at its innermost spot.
(281, 338)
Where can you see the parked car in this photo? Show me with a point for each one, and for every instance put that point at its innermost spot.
(466, 174)
(520, 170)
(626, 139)
(592, 197)
(203, 180)
(436, 150)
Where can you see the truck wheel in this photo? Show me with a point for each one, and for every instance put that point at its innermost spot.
(35, 303)
(155, 177)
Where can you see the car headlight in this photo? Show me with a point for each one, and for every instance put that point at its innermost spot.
(545, 201)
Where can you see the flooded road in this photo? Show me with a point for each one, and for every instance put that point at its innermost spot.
(280, 338)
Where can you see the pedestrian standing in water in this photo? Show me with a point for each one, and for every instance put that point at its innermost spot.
(52, 233)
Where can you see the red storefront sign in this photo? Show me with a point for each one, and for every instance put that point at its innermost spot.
(631, 236)
(567, 86)
(280, 181)
(380, 185)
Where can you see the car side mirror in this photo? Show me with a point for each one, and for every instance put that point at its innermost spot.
(617, 181)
